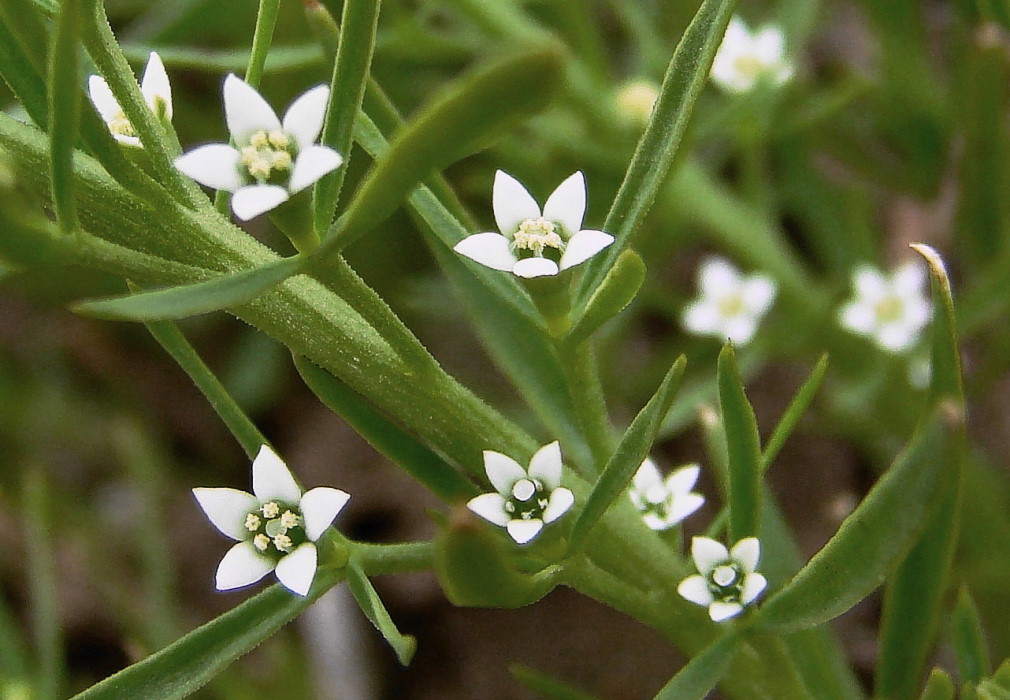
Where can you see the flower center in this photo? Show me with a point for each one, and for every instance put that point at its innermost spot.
(889, 309)
(749, 65)
(725, 582)
(527, 501)
(275, 529)
(731, 305)
(268, 154)
(119, 125)
(535, 235)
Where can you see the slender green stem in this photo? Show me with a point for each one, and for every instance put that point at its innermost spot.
(43, 584)
(403, 558)
(582, 376)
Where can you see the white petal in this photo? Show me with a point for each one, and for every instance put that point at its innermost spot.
(720, 611)
(897, 337)
(241, 566)
(654, 522)
(226, 509)
(535, 267)
(102, 97)
(304, 118)
(740, 329)
(489, 249)
(647, 476)
(567, 204)
(311, 164)
(561, 500)
(758, 293)
(155, 86)
(747, 552)
(214, 165)
(522, 531)
(296, 570)
(252, 200)
(491, 507)
(128, 140)
(702, 317)
(695, 589)
(584, 245)
(858, 317)
(716, 277)
(909, 280)
(683, 506)
(319, 507)
(683, 480)
(511, 202)
(738, 35)
(502, 471)
(272, 480)
(753, 585)
(769, 45)
(870, 285)
(546, 465)
(707, 554)
(245, 110)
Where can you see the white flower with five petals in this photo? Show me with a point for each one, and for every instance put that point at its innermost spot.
(276, 525)
(272, 159)
(730, 305)
(526, 500)
(531, 242)
(155, 88)
(665, 502)
(726, 581)
(890, 309)
(745, 58)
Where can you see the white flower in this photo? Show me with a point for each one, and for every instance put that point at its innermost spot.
(534, 243)
(636, 100)
(663, 504)
(890, 310)
(725, 581)
(155, 88)
(271, 160)
(745, 58)
(526, 499)
(276, 525)
(730, 305)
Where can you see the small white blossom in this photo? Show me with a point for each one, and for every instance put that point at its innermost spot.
(729, 305)
(535, 243)
(636, 100)
(726, 580)
(268, 540)
(745, 58)
(526, 500)
(891, 309)
(664, 503)
(271, 159)
(155, 88)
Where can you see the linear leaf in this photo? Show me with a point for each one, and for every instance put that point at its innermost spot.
(192, 299)
(701, 674)
(546, 686)
(628, 457)
(615, 292)
(685, 77)
(364, 593)
(793, 413)
(938, 687)
(64, 110)
(743, 448)
(969, 639)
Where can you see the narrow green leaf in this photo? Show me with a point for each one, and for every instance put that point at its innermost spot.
(44, 607)
(945, 359)
(545, 686)
(375, 611)
(263, 37)
(615, 292)
(969, 639)
(938, 687)
(245, 431)
(685, 77)
(701, 674)
(743, 447)
(462, 119)
(874, 538)
(628, 457)
(192, 299)
(794, 412)
(22, 63)
(388, 439)
(64, 111)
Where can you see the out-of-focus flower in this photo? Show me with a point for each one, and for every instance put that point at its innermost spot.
(665, 502)
(729, 305)
(636, 99)
(535, 243)
(891, 310)
(526, 499)
(271, 159)
(155, 88)
(276, 525)
(746, 58)
(726, 580)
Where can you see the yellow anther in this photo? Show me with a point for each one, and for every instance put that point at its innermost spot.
(282, 542)
(289, 520)
(535, 235)
(281, 160)
(271, 509)
(121, 126)
(278, 139)
(259, 139)
(261, 542)
(252, 522)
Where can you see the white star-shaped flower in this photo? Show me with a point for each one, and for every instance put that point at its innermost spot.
(746, 58)
(729, 305)
(271, 159)
(664, 503)
(276, 525)
(891, 309)
(535, 243)
(155, 88)
(526, 499)
(726, 581)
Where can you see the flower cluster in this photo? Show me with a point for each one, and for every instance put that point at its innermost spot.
(664, 503)
(891, 310)
(276, 525)
(729, 305)
(155, 88)
(746, 58)
(726, 581)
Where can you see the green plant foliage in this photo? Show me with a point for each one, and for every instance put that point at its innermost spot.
(743, 449)
(375, 611)
(697, 679)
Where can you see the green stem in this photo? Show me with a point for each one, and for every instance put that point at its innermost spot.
(380, 559)
(44, 609)
(582, 375)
